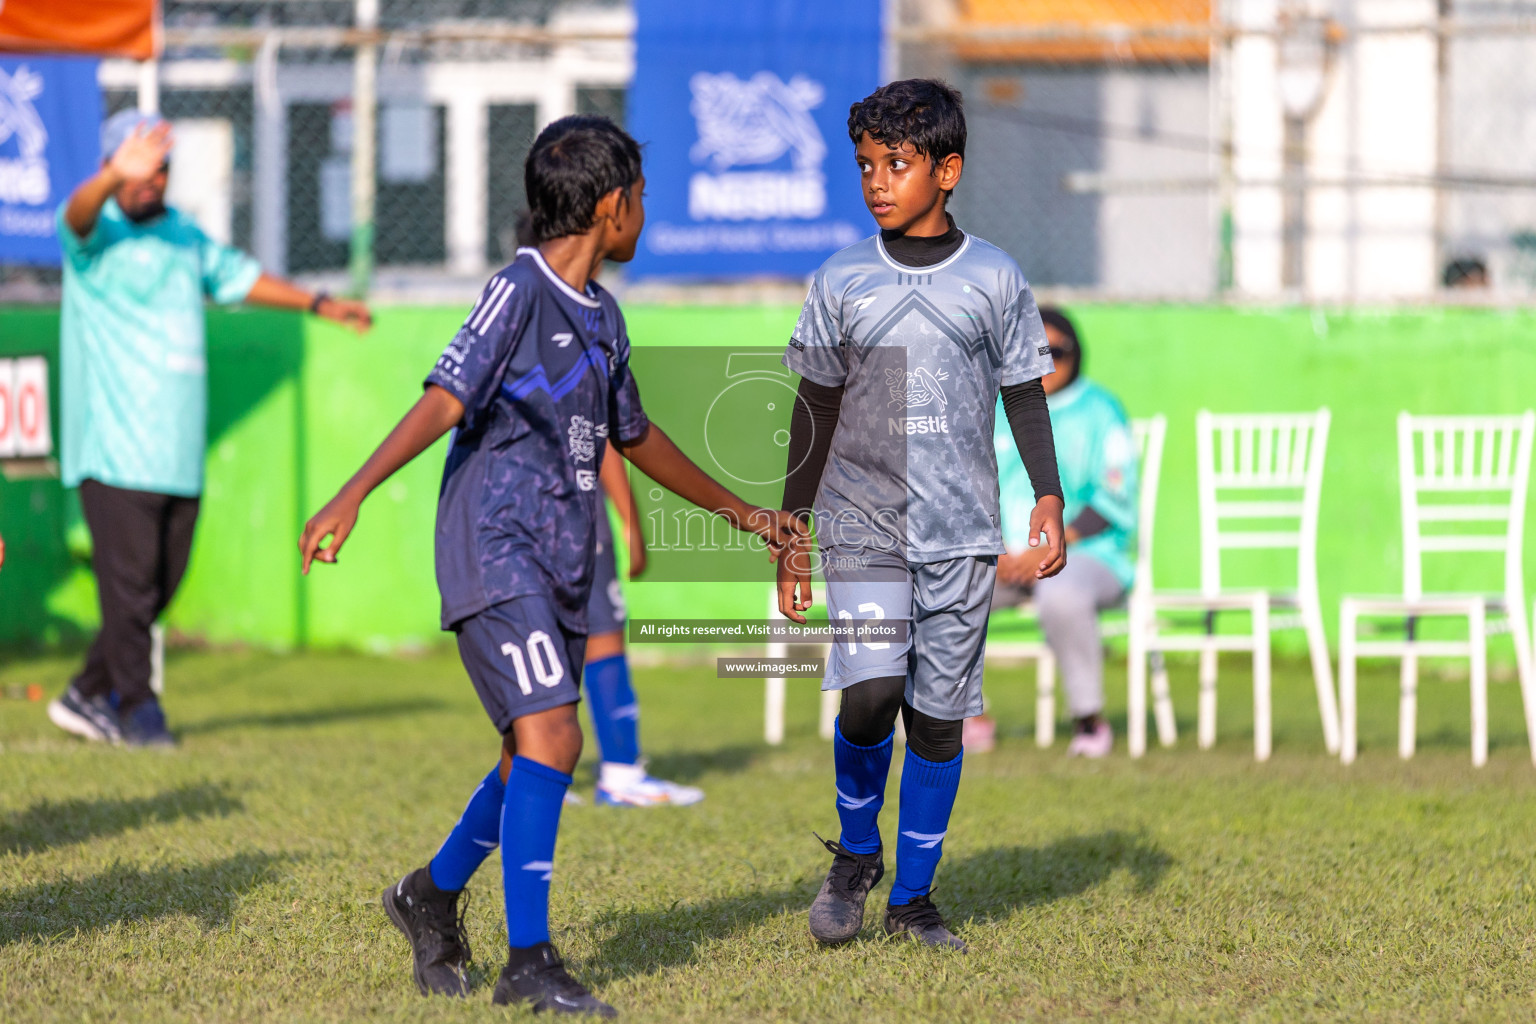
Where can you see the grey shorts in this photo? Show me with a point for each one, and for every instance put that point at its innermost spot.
(605, 608)
(947, 604)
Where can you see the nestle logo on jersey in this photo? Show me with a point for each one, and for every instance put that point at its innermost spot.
(918, 425)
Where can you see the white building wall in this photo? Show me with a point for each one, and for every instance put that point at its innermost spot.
(1376, 127)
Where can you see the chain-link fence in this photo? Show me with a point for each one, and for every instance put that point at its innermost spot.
(1358, 150)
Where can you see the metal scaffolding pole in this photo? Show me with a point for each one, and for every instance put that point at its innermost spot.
(365, 100)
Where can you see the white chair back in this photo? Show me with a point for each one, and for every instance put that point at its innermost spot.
(1149, 435)
(1475, 471)
(1272, 464)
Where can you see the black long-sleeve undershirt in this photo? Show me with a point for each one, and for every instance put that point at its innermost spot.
(1029, 420)
(811, 426)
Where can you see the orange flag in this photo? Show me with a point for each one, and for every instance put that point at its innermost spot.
(116, 28)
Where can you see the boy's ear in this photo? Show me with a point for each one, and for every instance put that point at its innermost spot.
(612, 205)
(948, 171)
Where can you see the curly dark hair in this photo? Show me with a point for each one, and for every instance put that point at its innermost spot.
(925, 112)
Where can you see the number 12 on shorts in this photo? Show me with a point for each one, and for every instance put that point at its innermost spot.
(541, 653)
(874, 613)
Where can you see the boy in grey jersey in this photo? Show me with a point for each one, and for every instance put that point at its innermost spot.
(904, 343)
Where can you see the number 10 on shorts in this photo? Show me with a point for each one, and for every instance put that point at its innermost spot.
(541, 653)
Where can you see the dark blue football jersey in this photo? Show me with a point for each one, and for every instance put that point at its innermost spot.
(543, 372)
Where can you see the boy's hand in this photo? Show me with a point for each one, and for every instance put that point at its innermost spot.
(347, 312)
(1046, 518)
(1017, 568)
(795, 579)
(142, 153)
(778, 528)
(335, 520)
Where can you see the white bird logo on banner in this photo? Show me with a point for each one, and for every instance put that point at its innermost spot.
(756, 121)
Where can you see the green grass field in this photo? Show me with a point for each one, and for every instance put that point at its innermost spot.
(238, 879)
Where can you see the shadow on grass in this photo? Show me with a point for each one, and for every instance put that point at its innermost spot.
(311, 716)
(992, 884)
(690, 765)
(985, 886)
(208, 892)
(57, 822)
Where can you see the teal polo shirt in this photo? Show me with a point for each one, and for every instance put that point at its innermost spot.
(1099, 466)
(133, 364)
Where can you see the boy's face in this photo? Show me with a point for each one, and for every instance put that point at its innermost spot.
(629, 218)
(905, 191)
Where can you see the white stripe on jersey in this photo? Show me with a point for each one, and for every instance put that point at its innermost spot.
(496, 288)
(480, 301)
(496, 308)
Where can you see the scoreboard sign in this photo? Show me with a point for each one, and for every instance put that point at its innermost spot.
(25, 431)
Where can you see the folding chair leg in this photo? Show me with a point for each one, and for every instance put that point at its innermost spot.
(773, 689)
(157, 659)
(830, 699)
(1519, 626)
(1162, 702)
(1136, 697)
(1263, 732)
(1407, 706)
(1045, 699)
(1207, 714)
(1347, 740)
(773, 712)
(1322, 677)
(1479, 658)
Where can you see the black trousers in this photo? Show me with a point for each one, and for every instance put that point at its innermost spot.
(141, 542)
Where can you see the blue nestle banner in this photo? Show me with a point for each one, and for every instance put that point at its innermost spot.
(50, 113)
(743, 110)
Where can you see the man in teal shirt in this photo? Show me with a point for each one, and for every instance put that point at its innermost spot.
(1099, 465)
(133, 370)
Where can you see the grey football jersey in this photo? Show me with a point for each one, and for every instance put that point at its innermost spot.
(921, 354)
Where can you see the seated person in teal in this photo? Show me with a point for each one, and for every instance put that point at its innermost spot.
(1097, 457)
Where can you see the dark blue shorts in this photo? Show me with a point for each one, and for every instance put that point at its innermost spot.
(605, 608)
(521, 660)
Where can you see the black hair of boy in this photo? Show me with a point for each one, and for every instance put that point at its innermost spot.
(924, 112)
(574, 162)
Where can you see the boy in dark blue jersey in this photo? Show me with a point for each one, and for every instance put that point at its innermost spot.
(536, 381)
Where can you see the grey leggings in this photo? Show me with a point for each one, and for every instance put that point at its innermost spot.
(1068, 605)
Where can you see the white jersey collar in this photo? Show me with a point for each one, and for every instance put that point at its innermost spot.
(559, 282)
(903, 268)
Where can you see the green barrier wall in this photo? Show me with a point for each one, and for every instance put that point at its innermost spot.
(297, 404)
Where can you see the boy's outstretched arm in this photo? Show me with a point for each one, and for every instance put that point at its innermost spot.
(657, 457)
(616, 485)
(433, 415)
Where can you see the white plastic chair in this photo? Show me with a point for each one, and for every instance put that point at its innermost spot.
(1475, 472)
(1149, 435)
(1261, 471)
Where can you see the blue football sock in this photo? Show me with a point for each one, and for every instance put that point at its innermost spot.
(615, 711)
(530, 820)
(927, 796)
(861, 774)
(473, 838)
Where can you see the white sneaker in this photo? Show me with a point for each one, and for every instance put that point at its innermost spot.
(627, 785)
(1094, 744)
